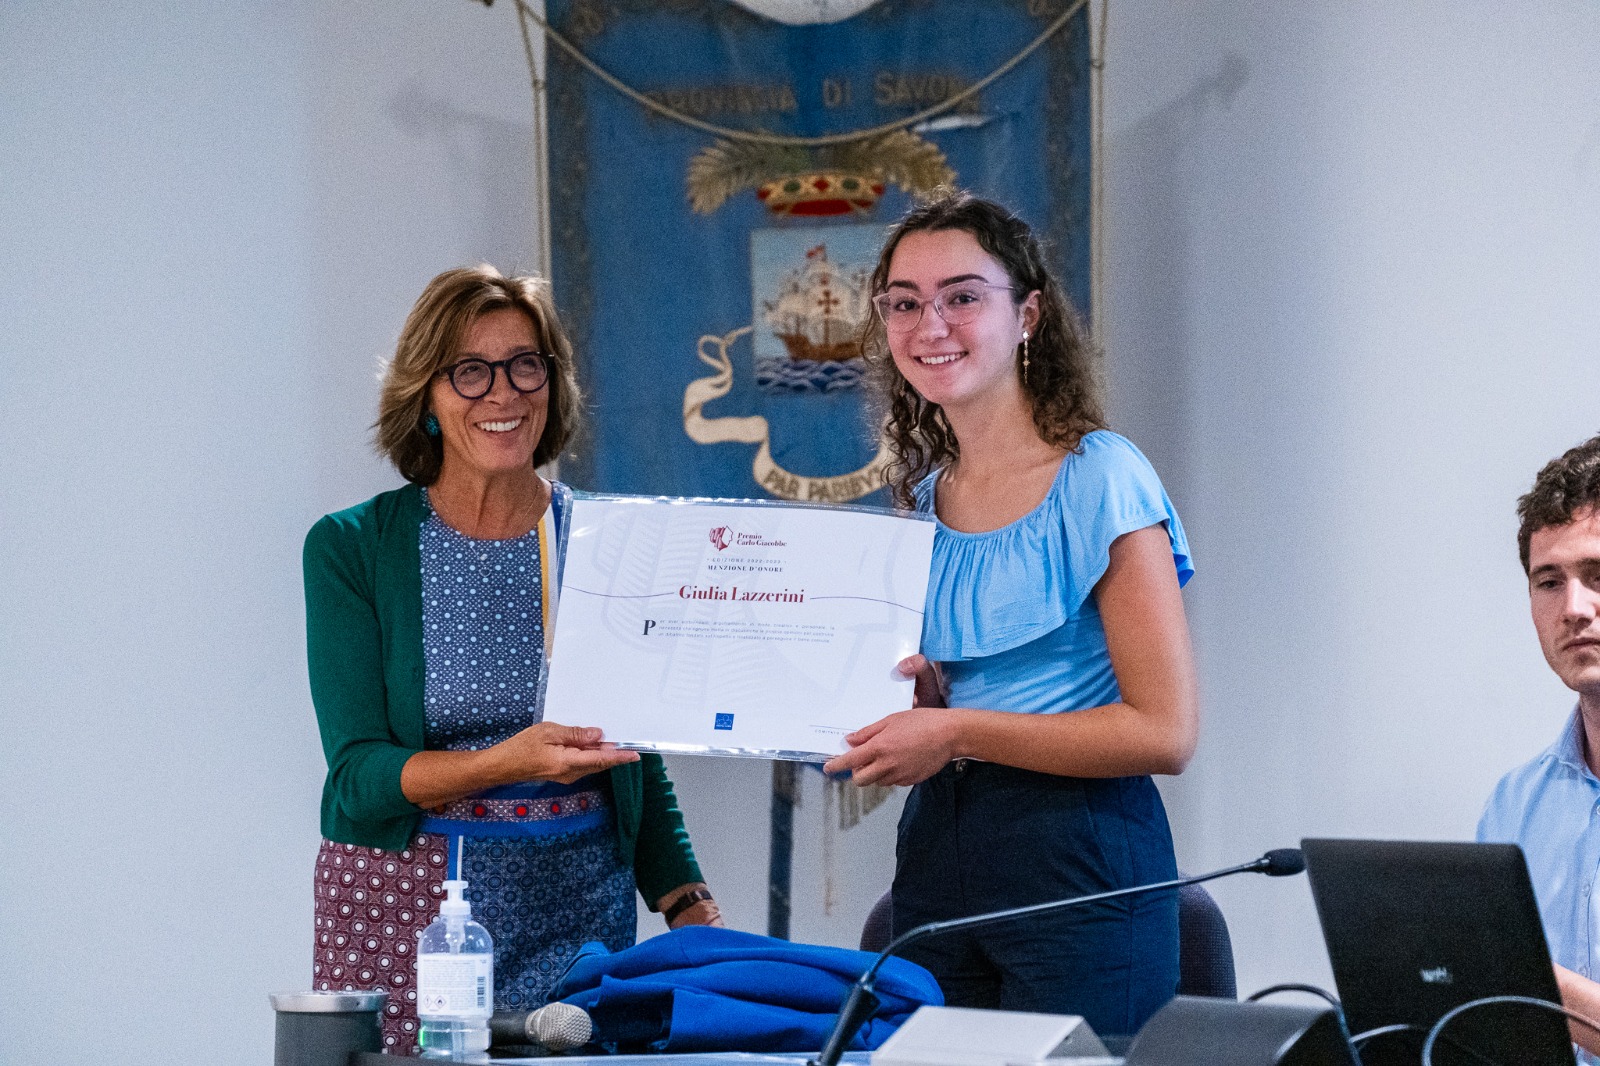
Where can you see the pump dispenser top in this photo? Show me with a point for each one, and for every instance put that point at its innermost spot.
(455, 904)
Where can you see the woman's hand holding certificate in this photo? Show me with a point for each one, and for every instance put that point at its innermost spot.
(736, 628)
(907, 747)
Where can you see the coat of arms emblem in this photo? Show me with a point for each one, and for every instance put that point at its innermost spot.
(809, 306)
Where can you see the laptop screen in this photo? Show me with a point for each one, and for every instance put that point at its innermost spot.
(1415, 929)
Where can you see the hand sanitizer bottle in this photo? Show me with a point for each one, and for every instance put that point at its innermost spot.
(455, 982)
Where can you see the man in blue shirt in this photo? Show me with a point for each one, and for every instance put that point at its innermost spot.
(1551, 805)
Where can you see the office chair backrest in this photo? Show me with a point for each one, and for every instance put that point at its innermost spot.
(1205, 951)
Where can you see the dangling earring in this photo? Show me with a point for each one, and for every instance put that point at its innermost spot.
(1024, 357)
(430, 426)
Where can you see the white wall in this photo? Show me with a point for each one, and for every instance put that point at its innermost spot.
(158, 354)
(214, 218)
(1355, 291)
(1354, 275)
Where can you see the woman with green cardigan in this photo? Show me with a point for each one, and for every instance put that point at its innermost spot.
(429, 615)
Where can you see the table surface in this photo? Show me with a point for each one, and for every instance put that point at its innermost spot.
(725, 1058)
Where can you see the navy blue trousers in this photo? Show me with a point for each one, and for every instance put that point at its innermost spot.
(979, 837)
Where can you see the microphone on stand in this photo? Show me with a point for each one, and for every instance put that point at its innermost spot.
(861, 1002)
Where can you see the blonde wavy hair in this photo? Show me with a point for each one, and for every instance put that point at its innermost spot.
(431, 340)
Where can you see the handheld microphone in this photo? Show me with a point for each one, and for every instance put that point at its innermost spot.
(861, 1002)
(556, 1027)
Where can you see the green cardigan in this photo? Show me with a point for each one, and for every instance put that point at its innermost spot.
(363, 576)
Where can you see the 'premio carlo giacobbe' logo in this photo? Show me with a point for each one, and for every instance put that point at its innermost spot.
(724, 537)
(756, 556)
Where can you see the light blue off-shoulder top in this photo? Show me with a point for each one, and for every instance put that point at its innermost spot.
(1010, 613)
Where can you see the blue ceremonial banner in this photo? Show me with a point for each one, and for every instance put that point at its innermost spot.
(717, 208)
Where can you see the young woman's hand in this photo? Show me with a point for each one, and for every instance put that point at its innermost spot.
(905, 748)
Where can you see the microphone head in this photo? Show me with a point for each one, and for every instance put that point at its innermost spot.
(560, 1027)
(1283, 862)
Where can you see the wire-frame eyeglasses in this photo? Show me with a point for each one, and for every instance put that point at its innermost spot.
(957, 304)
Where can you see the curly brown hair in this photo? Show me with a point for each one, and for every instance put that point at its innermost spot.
(431, 340)
(1061, 384)
(1563, 488)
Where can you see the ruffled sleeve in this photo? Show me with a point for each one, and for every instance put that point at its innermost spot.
(991, 592)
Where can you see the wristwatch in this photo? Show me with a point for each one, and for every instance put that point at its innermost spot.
(685, 901)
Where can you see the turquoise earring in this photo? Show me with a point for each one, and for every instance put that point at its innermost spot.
(430, 426)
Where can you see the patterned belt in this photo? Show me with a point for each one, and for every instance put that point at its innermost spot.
(518, 817)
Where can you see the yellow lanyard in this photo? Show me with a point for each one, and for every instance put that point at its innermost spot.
(547, 538)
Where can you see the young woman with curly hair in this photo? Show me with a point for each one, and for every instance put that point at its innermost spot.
(1056, 674)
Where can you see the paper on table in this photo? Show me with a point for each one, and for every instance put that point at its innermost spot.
(735, 627)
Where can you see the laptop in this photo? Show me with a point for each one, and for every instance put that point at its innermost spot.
(1416, 929)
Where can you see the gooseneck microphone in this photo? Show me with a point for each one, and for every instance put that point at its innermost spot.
(861, 1002)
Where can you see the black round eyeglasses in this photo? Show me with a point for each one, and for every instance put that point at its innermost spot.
(473, 378)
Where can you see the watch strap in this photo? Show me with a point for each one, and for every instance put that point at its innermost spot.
(685, 901)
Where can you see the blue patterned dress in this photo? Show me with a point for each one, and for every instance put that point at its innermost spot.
(540, 858)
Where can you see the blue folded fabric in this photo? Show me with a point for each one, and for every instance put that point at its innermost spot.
(704, 989)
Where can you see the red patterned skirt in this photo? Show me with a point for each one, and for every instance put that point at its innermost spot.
(371, 906)
(545, 876)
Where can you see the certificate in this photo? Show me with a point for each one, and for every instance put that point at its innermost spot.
(720, 627)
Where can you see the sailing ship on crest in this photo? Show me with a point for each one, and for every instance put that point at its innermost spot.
(820, 309)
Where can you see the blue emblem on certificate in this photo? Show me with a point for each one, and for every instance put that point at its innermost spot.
(724, 721)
